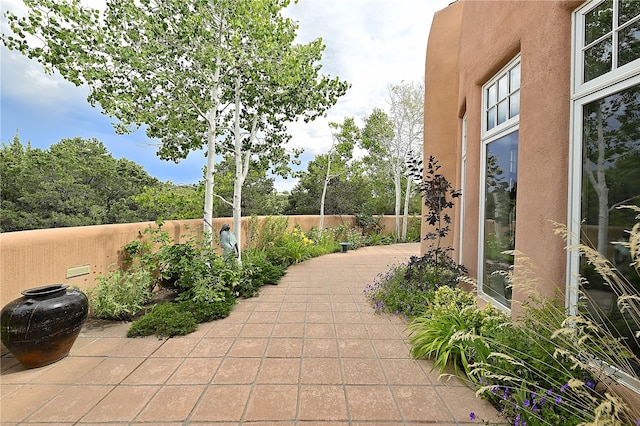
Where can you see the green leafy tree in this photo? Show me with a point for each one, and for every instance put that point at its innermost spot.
(194, 73)
(75, 182)
(344, 137)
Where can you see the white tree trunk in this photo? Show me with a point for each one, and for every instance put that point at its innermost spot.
(407, 197)
(398, 187)
(602, 190)
(324, 194)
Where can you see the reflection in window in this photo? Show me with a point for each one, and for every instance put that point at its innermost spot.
(610, 179)
(503, 97)
(609, 43)
(500, 215)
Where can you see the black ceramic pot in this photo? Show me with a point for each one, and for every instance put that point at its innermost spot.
(40, 327)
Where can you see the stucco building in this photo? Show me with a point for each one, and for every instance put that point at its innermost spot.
(532, 109)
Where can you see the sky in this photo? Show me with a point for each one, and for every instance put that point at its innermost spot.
(369, 43)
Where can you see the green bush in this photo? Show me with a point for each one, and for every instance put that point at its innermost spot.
(257, 271)
(164, 320)
(120, 294)
(451, 331)
(180, 318)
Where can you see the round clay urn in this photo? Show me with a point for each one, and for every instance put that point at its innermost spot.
(40, 327)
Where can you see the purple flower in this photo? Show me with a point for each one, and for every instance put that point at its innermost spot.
(526, 403)
(558, 399)
(590, 384)
(505, 395)
(637, 422)
(472, 415)
(543, 400)
(564, 387)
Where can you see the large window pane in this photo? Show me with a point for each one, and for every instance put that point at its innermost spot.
(611, 178)
(598, 22)
(500, 215)
(629, 43)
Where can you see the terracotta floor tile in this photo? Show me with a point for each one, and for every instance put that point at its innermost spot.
(102, 347)
(350, 318)
(404, 372)
(362, 371)
(321, 371)
(69, 369)
(171, 403)
(237, 371)
(222, 403)
(247, 347)
(139, 347)
(293, 298)
(288, 329)
(320, 317)
(237, 317)
(279, 371)
(25, 400)
(356, 348)
(344, 307)
(372, 403)
(391, 348)
(111, 371)
(70, 405)
(212, 347)
(195, 371)
(284, 348)
(350, 331)
(153, 371)
(176, 347)
(320, 348)
(295, 317)
(421, 404)
(294, 306)
(262, 317)
(318, 307)
(462, 403)
(326, 403)
(220, 329)
(265, 306)
(383, 331)
(256, 330)
(272, 403)
(123, 403)
(320, 331)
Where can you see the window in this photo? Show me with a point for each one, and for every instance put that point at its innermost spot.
(607, 39)
(463, 184)
(501, 100)
(605, 156)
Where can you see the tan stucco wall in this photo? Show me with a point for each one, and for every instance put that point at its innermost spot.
(41, 257)
(489, 35)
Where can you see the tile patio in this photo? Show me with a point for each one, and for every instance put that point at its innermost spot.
(309, 351)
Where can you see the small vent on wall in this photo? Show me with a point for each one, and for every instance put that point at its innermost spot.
(76, 271)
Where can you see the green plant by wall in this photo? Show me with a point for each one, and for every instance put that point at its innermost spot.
(120, 295)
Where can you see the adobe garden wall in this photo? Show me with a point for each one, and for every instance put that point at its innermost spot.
(41, 257)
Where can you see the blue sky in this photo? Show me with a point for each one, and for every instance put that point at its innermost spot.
(370, 43)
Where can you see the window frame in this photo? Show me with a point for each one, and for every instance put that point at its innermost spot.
(614, 81)
(509, 126)
(579, 86)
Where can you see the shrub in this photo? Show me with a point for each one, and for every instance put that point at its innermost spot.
(451, 330)
(164, 320)
(257, 271)
(179, 318)
(120, 294)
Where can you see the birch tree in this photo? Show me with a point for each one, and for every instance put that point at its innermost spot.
(179, 70)
(343, 139)
(407, 113)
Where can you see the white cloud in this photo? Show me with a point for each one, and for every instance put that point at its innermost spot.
(369, 43)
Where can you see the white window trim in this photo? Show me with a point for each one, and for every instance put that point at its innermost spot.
(617, 74)
(509, 126)
(584, 93)
(463, 186)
